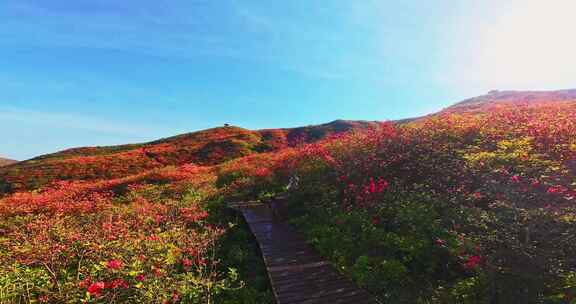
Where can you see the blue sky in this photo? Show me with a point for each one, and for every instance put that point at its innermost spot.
(100, 72)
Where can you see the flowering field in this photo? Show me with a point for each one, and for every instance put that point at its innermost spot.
(205, 148)
(455, 208)
(459, 207)
(471, 207)
(142, 239)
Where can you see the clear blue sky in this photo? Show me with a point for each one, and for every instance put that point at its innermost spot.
(100, 72)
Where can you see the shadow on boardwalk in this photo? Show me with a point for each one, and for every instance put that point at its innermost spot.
(298, 275)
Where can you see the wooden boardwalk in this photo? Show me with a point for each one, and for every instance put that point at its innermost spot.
(298, 275)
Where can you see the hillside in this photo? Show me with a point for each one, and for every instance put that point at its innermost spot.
(202, 148)
(217, 145)
(5, 162)
(502, 98)
(462, 206)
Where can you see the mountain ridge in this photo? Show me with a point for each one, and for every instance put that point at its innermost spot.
(496, 97)
(217, 145)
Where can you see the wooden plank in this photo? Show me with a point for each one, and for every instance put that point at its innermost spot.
(321, 271)
(298, 275)
(326, 296)
(288, 286)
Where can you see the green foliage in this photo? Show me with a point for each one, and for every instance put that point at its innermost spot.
(394, 257)
(518, 154)
(471, 290)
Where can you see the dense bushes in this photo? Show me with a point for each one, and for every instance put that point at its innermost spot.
(455, 208)
(122, 241)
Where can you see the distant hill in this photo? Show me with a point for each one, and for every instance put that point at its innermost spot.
(203, 148)
(494, 98)
(6, 162)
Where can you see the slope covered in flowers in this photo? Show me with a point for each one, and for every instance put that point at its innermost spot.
(460, 207)
(147, 238)
(204, 148)
(454, 208)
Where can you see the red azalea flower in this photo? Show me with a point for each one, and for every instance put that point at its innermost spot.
(118, 283)
(372, 186)
(472, 262)
(85, 283)
(140, 278)
(153, 238)
(552, 190)
(96, 288)
(201, 261)
(114, 264)
(186, 262)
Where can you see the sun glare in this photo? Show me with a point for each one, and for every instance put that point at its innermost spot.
(520, 45)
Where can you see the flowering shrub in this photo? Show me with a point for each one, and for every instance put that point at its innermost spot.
(450, 207)
(124, 240)
(204, 148)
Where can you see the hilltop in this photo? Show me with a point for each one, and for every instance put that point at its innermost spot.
(6, 162)
(500, 98)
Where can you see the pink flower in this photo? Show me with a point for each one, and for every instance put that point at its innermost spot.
(140, 278)
(440, 242)
(175, 296)
(114, 264)
(515, 179)
(552, 190)
(96, 288)
(556, 189)
(372, 186)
